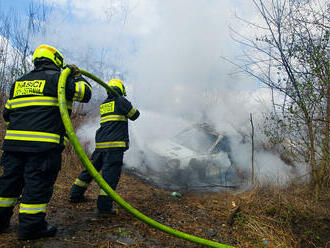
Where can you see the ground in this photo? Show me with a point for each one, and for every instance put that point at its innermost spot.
(225, 217)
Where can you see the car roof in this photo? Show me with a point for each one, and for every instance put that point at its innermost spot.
(207, 128)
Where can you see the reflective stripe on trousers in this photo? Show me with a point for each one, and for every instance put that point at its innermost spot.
(102, 192)
(81, 183)
(66, 141)
(8, 202)
(32, 208)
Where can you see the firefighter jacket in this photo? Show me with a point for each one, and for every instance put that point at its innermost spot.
(32, 110)
(113, 133)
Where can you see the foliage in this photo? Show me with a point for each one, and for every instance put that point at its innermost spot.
(290, 55)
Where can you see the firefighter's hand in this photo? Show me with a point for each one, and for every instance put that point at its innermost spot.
(75, 72)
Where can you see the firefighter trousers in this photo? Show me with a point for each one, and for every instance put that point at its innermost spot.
(110, 162)
(29, 178)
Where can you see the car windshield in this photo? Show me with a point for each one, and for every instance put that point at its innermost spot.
(196, 140)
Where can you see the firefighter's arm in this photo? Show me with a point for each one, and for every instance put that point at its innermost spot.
(78, 89)
(128, 110)
(8, 109)
(6, 112)
(133, 114)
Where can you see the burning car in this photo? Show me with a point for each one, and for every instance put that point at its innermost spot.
(196, 157)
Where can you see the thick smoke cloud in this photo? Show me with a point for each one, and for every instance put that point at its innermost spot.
(169, 53)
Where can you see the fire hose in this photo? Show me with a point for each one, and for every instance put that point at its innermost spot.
(98, 178)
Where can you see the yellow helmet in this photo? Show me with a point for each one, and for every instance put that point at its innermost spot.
(49, 52)
(117, 83)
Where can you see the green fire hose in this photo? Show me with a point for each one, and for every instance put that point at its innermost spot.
(98, 178)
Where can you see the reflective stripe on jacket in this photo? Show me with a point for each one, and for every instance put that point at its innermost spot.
(32, 136)
(111, 144)
(113, 118)
(34, 101)
(32, 110)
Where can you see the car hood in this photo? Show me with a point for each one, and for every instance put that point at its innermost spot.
(170, 149)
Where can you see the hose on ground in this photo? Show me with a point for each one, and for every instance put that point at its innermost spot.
(98, 178)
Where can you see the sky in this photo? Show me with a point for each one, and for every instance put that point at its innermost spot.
(169, 54)
(17, 4)
(170, 51)
(142, 35)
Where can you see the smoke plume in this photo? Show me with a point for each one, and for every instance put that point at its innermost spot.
(169, 55)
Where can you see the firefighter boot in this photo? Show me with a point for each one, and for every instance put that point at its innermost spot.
(109, 213)
(105, 206)
(77, 194)
(5, 215)
(4, 225)
(49, 231)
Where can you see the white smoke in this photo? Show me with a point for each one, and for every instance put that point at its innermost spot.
(169, 52)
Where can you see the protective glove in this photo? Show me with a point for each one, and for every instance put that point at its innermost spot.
(75, 72)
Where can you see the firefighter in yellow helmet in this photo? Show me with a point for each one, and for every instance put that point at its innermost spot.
(112, 141)
(34, 140)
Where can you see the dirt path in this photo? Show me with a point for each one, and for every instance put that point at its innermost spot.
(201, 214)
(262, 221)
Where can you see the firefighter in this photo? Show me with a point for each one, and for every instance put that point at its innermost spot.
(112, 140)
(34, 140)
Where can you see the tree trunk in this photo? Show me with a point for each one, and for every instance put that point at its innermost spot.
(252, 157)
(313, 163)
(326, 146)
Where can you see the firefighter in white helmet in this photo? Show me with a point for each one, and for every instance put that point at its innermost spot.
(34, 140)
(112, 140)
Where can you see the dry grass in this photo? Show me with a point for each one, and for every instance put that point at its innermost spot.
(281, 217)
(70, 158)
(284, 217)
(269, 216)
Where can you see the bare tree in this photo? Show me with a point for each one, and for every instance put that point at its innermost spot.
(16, 33)
(290, 55)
